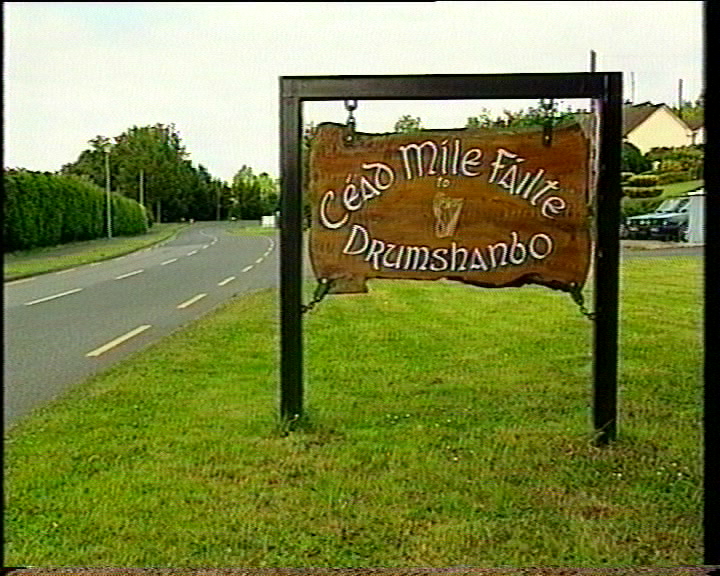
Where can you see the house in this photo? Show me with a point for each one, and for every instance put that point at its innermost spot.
(697, 131)
(654, 126)
(650, 126)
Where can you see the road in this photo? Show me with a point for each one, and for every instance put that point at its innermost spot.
(62, 327)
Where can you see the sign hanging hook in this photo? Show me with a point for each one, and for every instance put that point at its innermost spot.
(350, 106)
(548, 121)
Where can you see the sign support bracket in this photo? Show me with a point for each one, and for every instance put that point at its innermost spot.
(605, 87)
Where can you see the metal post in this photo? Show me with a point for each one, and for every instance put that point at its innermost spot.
(141, 188)
(107, 191)
(291, 360)
(607, 257)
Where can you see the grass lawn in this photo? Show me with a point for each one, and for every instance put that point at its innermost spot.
(678, 188)
(32, 262)
(445, 425)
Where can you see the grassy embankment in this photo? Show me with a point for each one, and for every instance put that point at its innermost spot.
(41, 260)
(446, 425)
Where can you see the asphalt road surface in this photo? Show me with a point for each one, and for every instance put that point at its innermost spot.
(62, 327)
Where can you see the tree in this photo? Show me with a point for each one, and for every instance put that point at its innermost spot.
(408, 124)
(632, 160)
(692, 113)
(547, 112)
(257, 195)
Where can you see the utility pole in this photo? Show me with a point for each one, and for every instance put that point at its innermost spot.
(141, 188)
(217, 214)
(680, 102)
(107, 190)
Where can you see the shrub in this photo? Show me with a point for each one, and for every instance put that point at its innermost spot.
(636, 206)
(625, 176)
(643, 181)
(633, 160)
(642, 192)
(674, 176)
(44, 209)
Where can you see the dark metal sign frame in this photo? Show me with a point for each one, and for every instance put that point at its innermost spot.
(604, 87)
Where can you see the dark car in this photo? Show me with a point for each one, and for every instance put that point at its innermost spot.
(668, 222)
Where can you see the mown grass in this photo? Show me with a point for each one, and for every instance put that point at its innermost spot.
(255, 231)
(679, 188)
(445, 425)
(41, 260)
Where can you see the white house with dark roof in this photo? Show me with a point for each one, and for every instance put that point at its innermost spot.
(697, 131)
(650, 126)
(654, 126)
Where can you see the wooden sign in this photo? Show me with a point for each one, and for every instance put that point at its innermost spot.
(489, 208)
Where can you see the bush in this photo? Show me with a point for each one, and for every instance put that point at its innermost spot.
(625, 176)
(636, 206)
(643, 181)
(44, 209)
(642, 192)
(633, 160)
(674, 176)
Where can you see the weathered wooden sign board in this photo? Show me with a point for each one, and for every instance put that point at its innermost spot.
(489, 208)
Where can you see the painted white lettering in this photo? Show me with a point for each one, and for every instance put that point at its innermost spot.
(324, 220)
(388, 250)
(367, 189)
(456, 156)
(438, 254)
(516, 247)
(471, 158)
(354, 231)
(554, 205)
(418, 148)
(476, 260)
(456, 265)
(508, 179)
(491, 250)
(376, 249)
(444, 161)
(528, 190)
(498, 162)
(549, 185)
(533, 249)
(381, 168)
(413, 257)
(352, 199)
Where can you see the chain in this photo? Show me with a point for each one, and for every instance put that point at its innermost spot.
(321, 291)
(579, 299)
(350, 106)
(548, 121)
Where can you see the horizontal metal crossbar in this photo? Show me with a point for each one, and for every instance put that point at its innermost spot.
(448, 86)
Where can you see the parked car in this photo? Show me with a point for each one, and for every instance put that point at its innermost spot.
(668, 222)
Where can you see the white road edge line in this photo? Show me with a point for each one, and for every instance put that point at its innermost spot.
(247, 268)
(258, 261)
(191, 301)
(104, 348)
(227, 280)
(66, 270)
(191, 253)
(168, 261)
(52, 297)
(21, 281)
(129, 274)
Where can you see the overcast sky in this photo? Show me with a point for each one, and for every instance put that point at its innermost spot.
(76, 70)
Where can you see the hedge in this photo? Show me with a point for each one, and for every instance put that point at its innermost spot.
(44, 209)
(642, 192)
(637, 206)
(643, 181)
